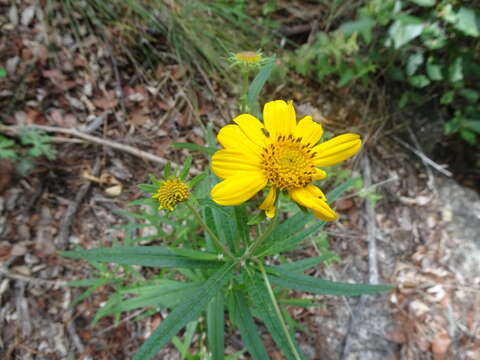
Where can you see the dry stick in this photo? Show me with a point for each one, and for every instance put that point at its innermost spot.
(30, 280)
(131, 316)
(431, 179)
(118, 79)
(361, 307)
(66, 223)
(72, 332)
(371, 227)
(96, 140)
(423, 157)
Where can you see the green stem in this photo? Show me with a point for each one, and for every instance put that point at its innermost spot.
(209, 231)
(271, 226)
(278, 311)
(244, 96)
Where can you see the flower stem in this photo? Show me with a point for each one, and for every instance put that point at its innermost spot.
(209, 231)
(271, 226)
(278, 311)
(243, 98)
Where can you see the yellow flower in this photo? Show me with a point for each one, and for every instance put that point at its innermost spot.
(170, 193)
(249, 57)
(280, 154)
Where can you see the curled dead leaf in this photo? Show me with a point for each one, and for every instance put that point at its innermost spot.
(440, 345)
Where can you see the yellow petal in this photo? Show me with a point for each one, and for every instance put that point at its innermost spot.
(252, 127)
(279, 118)
(313, 198)
(228, 162)
(308, 130)
(238, 189)
(337, 149)
(269, 203)
(232, 137)
(319, 174)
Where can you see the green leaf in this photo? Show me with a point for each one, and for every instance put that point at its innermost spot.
(455, 70)
(155, 256)
(304, 264)
(167, 294)
(215, 327)
(414, 62)
(248, 329)
(434, 70)
(426, 3)
(402, 33)
(40, 144)
(472, 125)
(266, 309)
(339, 190)
(5, 152)
(195, 254)
(166, 170)
(289, 242)
(148, 188)
(195, 147)
(469, 136)
(188, 338)
(186, 167)
(89, 282)
(447, 98)
(3, 73)
(241, 221)
(94, 286)
(197, 179)
(146, 201)
(471, 95)
(419, 81)
(259, 82)
(257, 218)
(363, 26)
(467, 22)
(185, 312)
(319, 286)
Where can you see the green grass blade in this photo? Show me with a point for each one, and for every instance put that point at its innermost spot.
(185, 312)
(155, 256)
(319, 286)
(248, 329)
(216, 327)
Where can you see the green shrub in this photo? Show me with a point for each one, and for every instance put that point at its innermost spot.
(429, 49)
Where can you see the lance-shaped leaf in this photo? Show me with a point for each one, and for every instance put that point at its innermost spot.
(216, 327)
(319, 286)
(304, 264)
(265, 307)
(248, 329)
(155, 256)
(185, 312)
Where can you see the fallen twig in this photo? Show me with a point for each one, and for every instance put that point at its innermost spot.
(96, 140)
(371, 227)
(424, 158)
(31, 280)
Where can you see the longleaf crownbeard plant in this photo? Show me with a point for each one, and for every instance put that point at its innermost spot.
(222, 257)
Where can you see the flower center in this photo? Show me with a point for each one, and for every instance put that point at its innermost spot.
(171, 193)
(287, 163)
